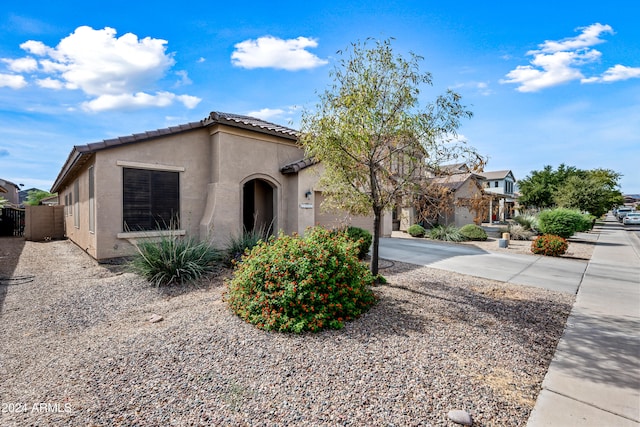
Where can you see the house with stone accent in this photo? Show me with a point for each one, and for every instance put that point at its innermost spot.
(210, 179)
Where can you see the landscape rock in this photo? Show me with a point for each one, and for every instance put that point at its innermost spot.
(459, 416)
(156, 318)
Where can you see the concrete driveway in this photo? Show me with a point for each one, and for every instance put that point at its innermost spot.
(558, 274)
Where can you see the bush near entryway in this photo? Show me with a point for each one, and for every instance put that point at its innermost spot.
(549, 245)
(296, 284)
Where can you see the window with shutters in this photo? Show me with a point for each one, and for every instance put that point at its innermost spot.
(151, 199)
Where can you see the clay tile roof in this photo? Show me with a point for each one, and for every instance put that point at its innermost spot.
(296, 167)
(248, 122)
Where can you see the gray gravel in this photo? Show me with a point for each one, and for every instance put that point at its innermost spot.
(76, 337)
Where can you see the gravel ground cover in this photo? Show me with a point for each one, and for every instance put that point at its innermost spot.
(77, 348)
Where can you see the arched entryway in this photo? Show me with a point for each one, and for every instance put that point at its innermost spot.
(259, 206)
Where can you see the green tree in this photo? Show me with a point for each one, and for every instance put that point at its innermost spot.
(372, 137)
(595, 191)
(538, 189)
(3, 202)
(35, 196)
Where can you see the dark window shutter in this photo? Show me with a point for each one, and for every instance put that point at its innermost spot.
(151, 199)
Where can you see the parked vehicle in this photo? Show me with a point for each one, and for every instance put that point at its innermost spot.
(632, 218)
(623, 211)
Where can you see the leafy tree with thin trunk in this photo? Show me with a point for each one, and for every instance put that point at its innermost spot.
(371, 135)
(35, 196)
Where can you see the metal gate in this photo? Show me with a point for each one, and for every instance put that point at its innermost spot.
(12, 222)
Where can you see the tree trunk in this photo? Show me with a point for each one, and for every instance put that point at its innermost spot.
(377, 213)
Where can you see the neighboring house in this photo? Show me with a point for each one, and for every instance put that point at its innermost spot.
(448, 199)
(10, 192)
(50, 200)
(24, 194)
(461, 187)
(500, 184)
(207, 179)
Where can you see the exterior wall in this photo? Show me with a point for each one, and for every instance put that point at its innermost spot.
(187, 153)
(237, 157)
(463, 215)
(310, 212)
(44, 222)
(78, 233)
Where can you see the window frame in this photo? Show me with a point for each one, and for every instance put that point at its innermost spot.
(146, 189)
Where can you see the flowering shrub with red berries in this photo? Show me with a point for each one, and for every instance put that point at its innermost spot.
(549, 245)
(296, 284)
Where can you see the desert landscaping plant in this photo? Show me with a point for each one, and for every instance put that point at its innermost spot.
(416, 230)
(549, 245)
(448, 233)
(173, 259)
(560, 222)
(519, 232)
(527, 221)
(296, 284)
(473, 232)
(238, 244)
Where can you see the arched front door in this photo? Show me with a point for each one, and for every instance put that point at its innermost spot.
(259, 206)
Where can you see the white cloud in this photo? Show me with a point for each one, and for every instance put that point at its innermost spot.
(268, 114)
(50, 83)
(272, 52)
(114, 71)
(138, 100)
(21, 65)
(184, 78)
(558, 62)
(590, 36)
(614, 74)
(13, 81)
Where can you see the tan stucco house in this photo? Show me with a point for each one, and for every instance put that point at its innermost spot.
(207, 179)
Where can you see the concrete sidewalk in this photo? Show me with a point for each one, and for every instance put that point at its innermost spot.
(594, 377)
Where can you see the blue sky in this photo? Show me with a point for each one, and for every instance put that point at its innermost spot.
(548, 82)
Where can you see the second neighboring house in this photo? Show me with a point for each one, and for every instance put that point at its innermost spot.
(501, 185)
(10, 192)
(209, 179)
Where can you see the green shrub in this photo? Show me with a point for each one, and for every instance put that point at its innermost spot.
(238, 244)
(173, 259)
(519, 232)
(586, 222)
(473, 232)
(560, 222)
(416, 230)
(549, 245)
(527, 221)
(363, 238)
(447, 233)
(295, 284)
